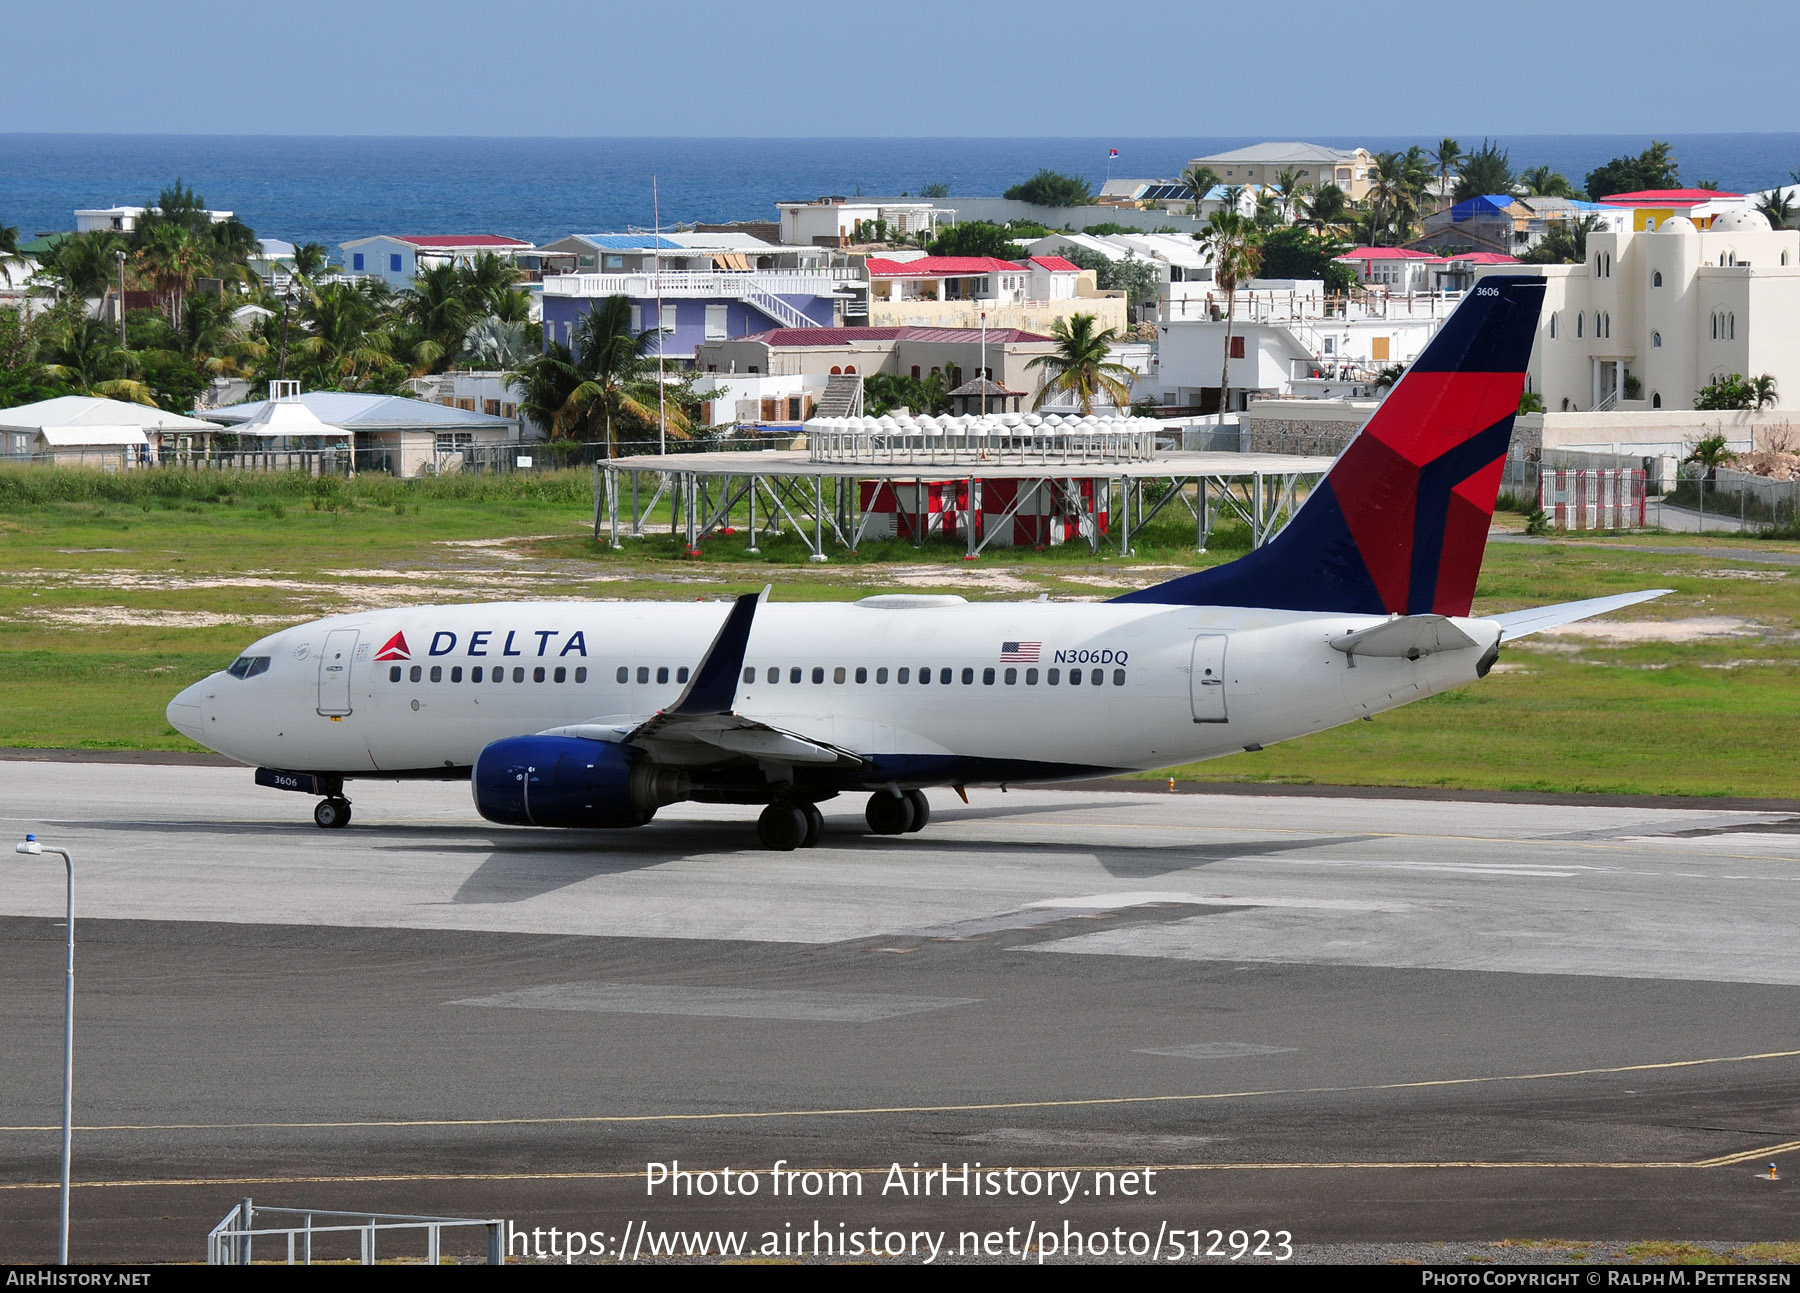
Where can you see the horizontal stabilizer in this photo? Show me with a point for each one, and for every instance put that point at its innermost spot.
(1405, 636)
(1516, 624)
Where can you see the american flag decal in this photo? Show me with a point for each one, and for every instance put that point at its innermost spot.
(1019, 652)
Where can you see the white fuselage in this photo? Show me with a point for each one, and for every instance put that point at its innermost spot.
(1159, 685)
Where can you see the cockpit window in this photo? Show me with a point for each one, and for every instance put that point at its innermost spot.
(248, 666)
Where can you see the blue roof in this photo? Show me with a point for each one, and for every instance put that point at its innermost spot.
(630, 242)
(1487, 204)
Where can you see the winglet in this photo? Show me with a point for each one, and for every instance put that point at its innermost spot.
(713, 688)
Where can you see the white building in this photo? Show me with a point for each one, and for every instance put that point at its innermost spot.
(1288, 339)
(1183, 266)
(1653, 316)
(398, 258)
(839, 222)
(124, 219)
(71, 429)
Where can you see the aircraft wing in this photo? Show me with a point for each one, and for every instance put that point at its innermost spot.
(1516, 624)
(703, 715)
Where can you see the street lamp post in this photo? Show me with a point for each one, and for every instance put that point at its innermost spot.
(32, 846)
(123, 344)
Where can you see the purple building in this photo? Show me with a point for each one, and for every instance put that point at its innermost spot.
(713, 287)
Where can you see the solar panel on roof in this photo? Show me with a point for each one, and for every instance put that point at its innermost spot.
(1167, 192)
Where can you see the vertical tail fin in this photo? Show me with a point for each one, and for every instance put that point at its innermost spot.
(1399, 524)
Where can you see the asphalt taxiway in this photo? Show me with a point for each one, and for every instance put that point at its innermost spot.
(1351, 1019)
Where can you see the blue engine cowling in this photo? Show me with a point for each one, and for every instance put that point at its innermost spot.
(566, 781)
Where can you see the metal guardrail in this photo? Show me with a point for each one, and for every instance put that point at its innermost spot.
(232, 1241)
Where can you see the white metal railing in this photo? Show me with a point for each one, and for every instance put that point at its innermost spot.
(994, 445)
(690, 283)
(233, 1241)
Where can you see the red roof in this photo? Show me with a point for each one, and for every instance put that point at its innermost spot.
(1387, 253)
(1666, 197)
(844, 336)
(1486, 258)
(941, 267)
(1056, 263)
(459, 240)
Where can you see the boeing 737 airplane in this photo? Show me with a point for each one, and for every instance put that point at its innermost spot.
(597, 714)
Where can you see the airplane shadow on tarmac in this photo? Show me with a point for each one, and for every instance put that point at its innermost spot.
(525, 866)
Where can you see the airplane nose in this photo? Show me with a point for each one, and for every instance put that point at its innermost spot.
(184, 712)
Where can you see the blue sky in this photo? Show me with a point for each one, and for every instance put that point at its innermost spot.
(804, 68)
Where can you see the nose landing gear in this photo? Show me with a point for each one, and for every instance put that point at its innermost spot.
(333, 813)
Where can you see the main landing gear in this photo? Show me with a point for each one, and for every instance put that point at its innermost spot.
(333, 813)
(898, 814)
(785, 826)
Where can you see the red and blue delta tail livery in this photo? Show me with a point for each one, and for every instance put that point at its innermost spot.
(1398, 525)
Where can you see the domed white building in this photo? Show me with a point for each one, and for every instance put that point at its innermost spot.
(1652, 316)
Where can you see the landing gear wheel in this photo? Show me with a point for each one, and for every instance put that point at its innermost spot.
(815, 823)
(332, 814)
(781, 827)
(889, 814)
(921, 811)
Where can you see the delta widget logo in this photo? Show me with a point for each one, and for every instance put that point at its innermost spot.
(394, 648)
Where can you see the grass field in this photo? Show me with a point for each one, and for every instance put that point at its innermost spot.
(115, 593)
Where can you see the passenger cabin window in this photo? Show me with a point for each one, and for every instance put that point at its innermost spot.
(416, 673)
(902, 676)
(560, 675)
(393, 673)
(643, 673)
(624, 673)
(580, 673)
(662, 674)
(750, 673)
(437, 673)
(537, 674)
(681, 674)
(456, 673)
(475, 674)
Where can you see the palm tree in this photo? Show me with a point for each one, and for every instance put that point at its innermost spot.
(1287, 191)
(1236, 247)
(1542, 182)
(10, 256)
(1563, 243)
(1762, 391)
(585, 389)
(347, 343)
(87, 263)
(1387, 194)
(1079, 365)
(490, 285)
(171, 259)
(437, 305)
(1776, 208)
(1200, 181)
(86, 354)
(1324, 211)
(310, 259)
(1448, 157)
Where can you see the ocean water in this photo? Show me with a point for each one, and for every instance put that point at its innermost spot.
(328, 190)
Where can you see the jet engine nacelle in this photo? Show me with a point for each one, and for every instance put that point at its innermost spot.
(566, 781)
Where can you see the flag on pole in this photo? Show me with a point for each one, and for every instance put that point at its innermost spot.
(1112, 152)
